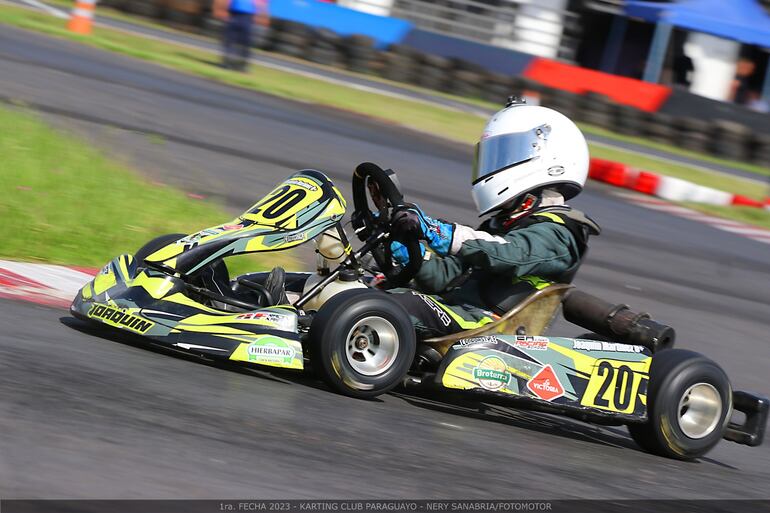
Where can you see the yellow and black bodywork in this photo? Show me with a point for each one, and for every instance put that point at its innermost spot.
(152, 300)
(598, 378)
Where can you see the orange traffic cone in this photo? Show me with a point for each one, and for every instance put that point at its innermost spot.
(82, 16)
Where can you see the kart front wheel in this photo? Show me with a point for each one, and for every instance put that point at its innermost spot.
(689, 402)
(362, 343)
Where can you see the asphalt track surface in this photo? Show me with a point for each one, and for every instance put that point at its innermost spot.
(83, 416)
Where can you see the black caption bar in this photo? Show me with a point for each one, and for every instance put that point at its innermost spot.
(371, 506)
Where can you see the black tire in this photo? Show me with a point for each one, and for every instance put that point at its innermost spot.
(359, 41)
(359, 65)
(324, 57)
(329, 37)
(290, 50)
(329, 335)
(154, 245)
(290, 39)
(672, 373)
(293, 27)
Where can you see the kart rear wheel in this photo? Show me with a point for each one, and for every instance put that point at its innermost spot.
(154, 245)
(362, 343)
(689, 403)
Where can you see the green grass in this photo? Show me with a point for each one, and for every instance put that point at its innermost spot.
(451, 124)
(66, 202)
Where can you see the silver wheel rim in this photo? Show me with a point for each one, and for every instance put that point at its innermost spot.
(700, 409)
(371, 346)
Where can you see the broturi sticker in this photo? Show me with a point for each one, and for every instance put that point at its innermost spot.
(492, 373)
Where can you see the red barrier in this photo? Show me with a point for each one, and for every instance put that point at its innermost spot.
(629, 91)
(743, 201)
(617, 174)
(597, 168)
(646, 183)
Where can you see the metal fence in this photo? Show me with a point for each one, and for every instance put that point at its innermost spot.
(528, 25)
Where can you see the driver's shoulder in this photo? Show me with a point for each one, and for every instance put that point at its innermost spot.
(565, 215)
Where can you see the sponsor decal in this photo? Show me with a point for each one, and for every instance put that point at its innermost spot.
(492, 373)
(476, 341)
(556, 171)
(545, 384)
(281, 321)
(105, 269)
(210, 232)
(610, 347)
(120, 318)
(442, 315)
(531, 343)
(271, 349)
(304, 185)
(294, 237)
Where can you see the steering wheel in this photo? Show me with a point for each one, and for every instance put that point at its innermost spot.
(387, 199)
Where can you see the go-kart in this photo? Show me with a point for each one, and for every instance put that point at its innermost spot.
(176, 291)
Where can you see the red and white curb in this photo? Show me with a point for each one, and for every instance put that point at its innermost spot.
(666, 187)
(45, 284)
(744, 230)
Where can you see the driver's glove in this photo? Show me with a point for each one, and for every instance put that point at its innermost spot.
(437, 233)
(400, 254)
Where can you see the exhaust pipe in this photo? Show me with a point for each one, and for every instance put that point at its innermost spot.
(617, 322)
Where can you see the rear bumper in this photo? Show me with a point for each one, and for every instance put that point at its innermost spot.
(752, 431)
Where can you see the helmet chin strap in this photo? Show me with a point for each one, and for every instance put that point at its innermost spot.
(518, 208)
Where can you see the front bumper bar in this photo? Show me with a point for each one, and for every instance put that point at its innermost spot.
(752, 431)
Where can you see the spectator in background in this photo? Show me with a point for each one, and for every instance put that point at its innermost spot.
(744, 73)
(239, 16)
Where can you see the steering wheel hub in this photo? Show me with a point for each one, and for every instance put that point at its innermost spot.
(386, 196)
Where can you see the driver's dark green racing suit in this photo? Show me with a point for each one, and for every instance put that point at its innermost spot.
(485, 272)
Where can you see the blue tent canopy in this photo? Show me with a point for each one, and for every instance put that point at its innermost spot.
(741, 20)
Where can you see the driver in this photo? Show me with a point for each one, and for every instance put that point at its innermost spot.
(529, 160)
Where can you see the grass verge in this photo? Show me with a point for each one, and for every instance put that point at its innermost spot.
(65, 202)
(454, 125)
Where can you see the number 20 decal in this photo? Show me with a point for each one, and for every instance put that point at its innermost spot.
(282, 202)
(616, 385)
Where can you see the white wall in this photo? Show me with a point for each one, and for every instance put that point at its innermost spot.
(714, 61)
(378, 7)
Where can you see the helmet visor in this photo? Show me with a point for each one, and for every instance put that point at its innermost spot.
(506, 150)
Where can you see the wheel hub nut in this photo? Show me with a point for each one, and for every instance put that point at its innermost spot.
(362, 342)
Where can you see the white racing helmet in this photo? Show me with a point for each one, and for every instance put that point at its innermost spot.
(526, 148)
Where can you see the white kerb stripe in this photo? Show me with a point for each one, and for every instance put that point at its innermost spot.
(82, 13)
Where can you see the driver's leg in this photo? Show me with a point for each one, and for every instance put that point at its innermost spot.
(432, 317)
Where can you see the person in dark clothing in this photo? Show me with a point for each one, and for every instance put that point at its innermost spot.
(239, 17)
(744, 73)
(529, 161)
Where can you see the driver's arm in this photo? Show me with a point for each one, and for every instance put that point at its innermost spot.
(543, 249)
